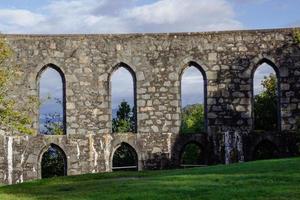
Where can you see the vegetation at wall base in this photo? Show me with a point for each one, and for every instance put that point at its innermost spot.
(267, 179)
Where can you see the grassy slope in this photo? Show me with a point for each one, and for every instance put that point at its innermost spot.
(272, 179)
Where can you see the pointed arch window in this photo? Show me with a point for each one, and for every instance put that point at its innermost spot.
(266, 106)
(193, 100)
(51, 86)
(123, 100)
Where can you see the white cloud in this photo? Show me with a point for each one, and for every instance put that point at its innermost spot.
(250, 1)
(15, 20)
(188, 15)
(106, 16)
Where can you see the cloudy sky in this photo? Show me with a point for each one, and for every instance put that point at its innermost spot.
(128, 16)
(123, 16)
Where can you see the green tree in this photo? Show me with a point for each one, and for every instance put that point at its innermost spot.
(265, 105)
(12, 119)
(125, 120)
(192, 119)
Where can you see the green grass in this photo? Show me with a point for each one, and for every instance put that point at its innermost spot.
(271, 179)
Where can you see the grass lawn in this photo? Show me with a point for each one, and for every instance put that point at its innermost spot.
(271, 179)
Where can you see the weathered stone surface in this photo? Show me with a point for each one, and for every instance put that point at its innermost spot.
(157, 61)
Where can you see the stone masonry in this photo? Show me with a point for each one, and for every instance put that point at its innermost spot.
(227, 59)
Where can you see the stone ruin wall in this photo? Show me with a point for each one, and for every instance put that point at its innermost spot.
(158, 60)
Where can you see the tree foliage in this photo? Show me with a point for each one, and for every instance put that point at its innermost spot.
(12, 119)
(53, 163)
(192, 119)
(54, 122)
(297, 36)
(125, 120)
(265, 105)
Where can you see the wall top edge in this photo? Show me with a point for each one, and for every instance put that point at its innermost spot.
(274, 30)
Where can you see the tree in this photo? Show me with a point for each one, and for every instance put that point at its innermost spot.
(53, 124)
(53, 163)
(125, 120)
(192, 119)
(265, 105)
(12, 119)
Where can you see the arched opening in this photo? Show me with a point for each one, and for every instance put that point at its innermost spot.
(192, 155)
(54, 162)
(193, 100)
(125, 158)
(265, 150)
(266, 109)
(52, 117)
(123, 100)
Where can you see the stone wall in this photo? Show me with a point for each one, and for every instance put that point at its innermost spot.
(228, 60)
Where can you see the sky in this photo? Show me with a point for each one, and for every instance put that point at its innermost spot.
(192, 78)
(126, 16)
(141, 16)
(261, 72)
(51, 90)
(121, 88)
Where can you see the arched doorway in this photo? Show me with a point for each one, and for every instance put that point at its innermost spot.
(192, 155)
(125, 158)
(265, 150)
(53, 162)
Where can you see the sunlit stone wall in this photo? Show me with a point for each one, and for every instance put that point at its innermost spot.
(87, 61)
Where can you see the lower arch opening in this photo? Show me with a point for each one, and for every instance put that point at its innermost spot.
(125, 158)
(54, 162)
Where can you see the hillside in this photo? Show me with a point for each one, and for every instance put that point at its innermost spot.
(271, 179)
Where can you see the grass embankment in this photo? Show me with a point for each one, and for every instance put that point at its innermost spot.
(271, 179)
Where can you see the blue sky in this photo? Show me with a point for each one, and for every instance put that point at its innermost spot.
(123, 16)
